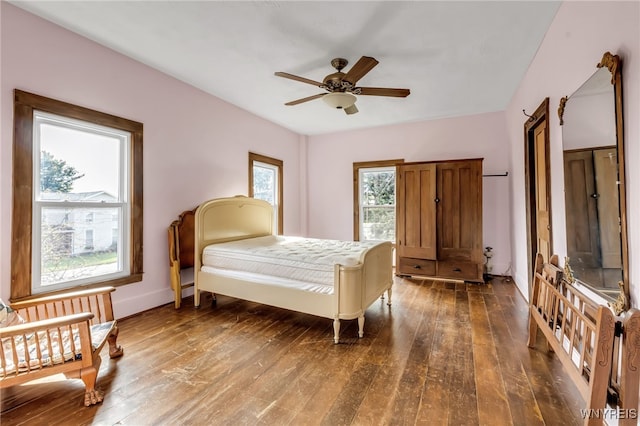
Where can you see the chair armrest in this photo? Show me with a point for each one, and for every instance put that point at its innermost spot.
(94, 300)
(47, 324)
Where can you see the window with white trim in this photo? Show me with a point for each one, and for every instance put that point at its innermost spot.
(80, 188)
(375, 200)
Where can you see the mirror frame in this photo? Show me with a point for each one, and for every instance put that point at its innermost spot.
(614, 64)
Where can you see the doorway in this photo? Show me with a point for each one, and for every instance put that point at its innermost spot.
(538, 186)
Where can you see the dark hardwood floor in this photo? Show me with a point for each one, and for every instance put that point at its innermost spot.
(443, 354)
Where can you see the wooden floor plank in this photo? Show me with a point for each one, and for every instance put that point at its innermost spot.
(376, 407)
(446, 353)
(434, 403)
(538, 365)
(462, 392)
(409, 393)
(493, 407)
(522, 402)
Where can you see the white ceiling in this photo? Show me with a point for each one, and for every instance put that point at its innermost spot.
(458, 58)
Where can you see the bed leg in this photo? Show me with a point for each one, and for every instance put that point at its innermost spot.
(389, 297)
(196, 298)
(336, 330)
(361, 326)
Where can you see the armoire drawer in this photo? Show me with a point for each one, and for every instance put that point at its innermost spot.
(412, 266)
(458, 270)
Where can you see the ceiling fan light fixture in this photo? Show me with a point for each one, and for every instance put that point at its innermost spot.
(339, 100)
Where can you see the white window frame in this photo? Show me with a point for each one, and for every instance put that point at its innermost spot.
(361, 206)
(123, 203)
(274, 170)
(277, 166)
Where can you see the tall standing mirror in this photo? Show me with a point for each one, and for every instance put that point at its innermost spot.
(595, 206)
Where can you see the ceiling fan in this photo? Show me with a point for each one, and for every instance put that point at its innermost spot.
(341, 87)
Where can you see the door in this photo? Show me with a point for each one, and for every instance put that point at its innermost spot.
(416, 218)
(537, 184)
(543, 214)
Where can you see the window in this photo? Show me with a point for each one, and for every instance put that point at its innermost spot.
(88, 240)
(77, 208)
(375, 200)
(265, 183)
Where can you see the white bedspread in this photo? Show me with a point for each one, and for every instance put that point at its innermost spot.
(301, 259)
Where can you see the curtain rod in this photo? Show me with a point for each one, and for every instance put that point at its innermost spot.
(502, 174)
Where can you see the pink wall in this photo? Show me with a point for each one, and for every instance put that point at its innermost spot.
(195, 145)
(330, 197)
(180, 122)
(574, 44)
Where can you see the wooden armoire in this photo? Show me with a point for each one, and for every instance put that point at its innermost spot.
(439, 219)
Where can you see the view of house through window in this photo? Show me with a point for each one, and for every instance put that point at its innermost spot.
(265, 183)
(377, 201)
(80, 202)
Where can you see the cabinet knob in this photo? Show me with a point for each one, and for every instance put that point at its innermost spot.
(457, 270)
(437, 200)
(416, 266)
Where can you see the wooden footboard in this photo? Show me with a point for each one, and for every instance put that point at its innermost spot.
(578, 331)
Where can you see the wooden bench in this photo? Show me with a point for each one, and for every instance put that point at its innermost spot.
(57, 334)
(181, 251)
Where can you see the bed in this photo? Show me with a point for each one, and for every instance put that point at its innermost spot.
(333, 279)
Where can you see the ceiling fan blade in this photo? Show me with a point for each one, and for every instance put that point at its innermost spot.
(384, 91)
(360, 69)
(297, 78)
(308, 98)
(351, 109)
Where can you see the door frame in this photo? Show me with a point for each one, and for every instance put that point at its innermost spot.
(540, 116)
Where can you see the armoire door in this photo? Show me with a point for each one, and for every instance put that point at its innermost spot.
(459, 210)
(583, 245)
(416, 215)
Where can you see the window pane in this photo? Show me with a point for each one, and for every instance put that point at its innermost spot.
(377, 204)
(77, 160)
(80, 202)
(74, 249)
(378, 188)
(264, 184)
(379, 223)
